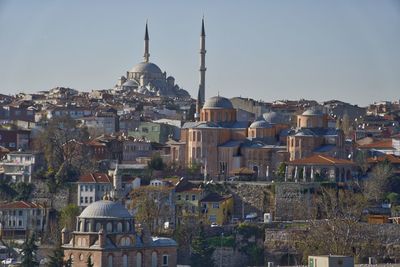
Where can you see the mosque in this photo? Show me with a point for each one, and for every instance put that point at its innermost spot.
(146, 78)
(106, 234)
(223, 146)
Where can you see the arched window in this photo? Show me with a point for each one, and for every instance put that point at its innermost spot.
(138, 259)
(109, 227)
(125, 260)
(119, 227)
(128, 227)
(198, 136)
(110, 260)
(154, 259)
(98, 226)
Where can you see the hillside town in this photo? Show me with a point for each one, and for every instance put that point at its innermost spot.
(143, 174)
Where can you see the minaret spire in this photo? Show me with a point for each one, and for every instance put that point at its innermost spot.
(146, 45)
(202, 64)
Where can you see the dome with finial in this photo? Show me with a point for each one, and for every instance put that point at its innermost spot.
(105, 209)
(218, 102)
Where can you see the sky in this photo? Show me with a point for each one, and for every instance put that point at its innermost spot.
(266, 50)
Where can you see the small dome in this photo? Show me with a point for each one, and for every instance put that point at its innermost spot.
(312, 112)
(148, 67)
(275, 117)
(130, 83)
(105, 209)
(260, 124)
(218, 102)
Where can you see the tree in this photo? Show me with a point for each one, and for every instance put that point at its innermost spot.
(361, 159)
(57, 258)
(201, 251)
(156, 163)
(346, 124)
(29, 249)
(7, 192)
(152, 205)
(23, 191)
(68, 216)
(376, 185)
(89, 262)
(62, 142)
(281, 170)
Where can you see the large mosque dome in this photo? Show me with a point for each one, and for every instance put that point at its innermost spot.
(218, 102)
(105, 209)
(146, 67)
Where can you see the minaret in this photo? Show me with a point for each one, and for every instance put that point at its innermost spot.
(198, 107)
(146, 45)
(202, 64)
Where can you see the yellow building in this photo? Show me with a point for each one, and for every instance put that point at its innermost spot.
(187, 200)
(217, 209)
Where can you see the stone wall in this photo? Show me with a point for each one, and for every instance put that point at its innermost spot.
(285, 201)
(228, 257)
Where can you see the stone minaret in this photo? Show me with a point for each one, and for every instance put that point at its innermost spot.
(202, 64)
(146, 45)
(117, 184)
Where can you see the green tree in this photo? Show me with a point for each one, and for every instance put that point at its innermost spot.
(68, 216)
(156, 163)
(89, 262)
(281, 170)
(57, 258)
(23, 190)
(29, 249)
(201, 251)
(7, 192)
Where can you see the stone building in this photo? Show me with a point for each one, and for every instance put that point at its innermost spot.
(312, 136)
(106, 234)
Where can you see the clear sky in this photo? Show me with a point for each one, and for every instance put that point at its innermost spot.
(343, 49)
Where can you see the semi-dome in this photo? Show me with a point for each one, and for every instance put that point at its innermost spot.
(146, 67)
(260, 124)
(130, 83)
(216, 102)
(312, 112)
(105, 209)
(275, 117)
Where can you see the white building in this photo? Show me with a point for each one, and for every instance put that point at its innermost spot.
(92, 187)
(19, 166)
(16, 218)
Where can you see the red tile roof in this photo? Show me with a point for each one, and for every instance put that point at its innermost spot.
(391, 158)
(20, 205)
(320, 160)
(385, 143)
(95, 177)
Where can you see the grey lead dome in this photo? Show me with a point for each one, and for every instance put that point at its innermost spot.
(105, 209)
(146, 67)
(218, 102)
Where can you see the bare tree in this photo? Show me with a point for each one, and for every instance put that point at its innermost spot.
(377, 183)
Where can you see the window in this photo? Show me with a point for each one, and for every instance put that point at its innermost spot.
(38, 222)
(187, 197)
(109, 227)
(81, 187)
(90, 199)
(81, 200)
(91, 188)
(125, 261)
(110, 260)
(119, 227)
(193, 197)
(215, 205)
(19, 223)
(86, 199)
(165, 260)
(154, 259)
(98, 226)
(20, 212)
(179, 197)
(212, 218)
(138, 259)
(86, 188)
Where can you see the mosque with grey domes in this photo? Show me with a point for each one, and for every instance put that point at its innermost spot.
(148, 79)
